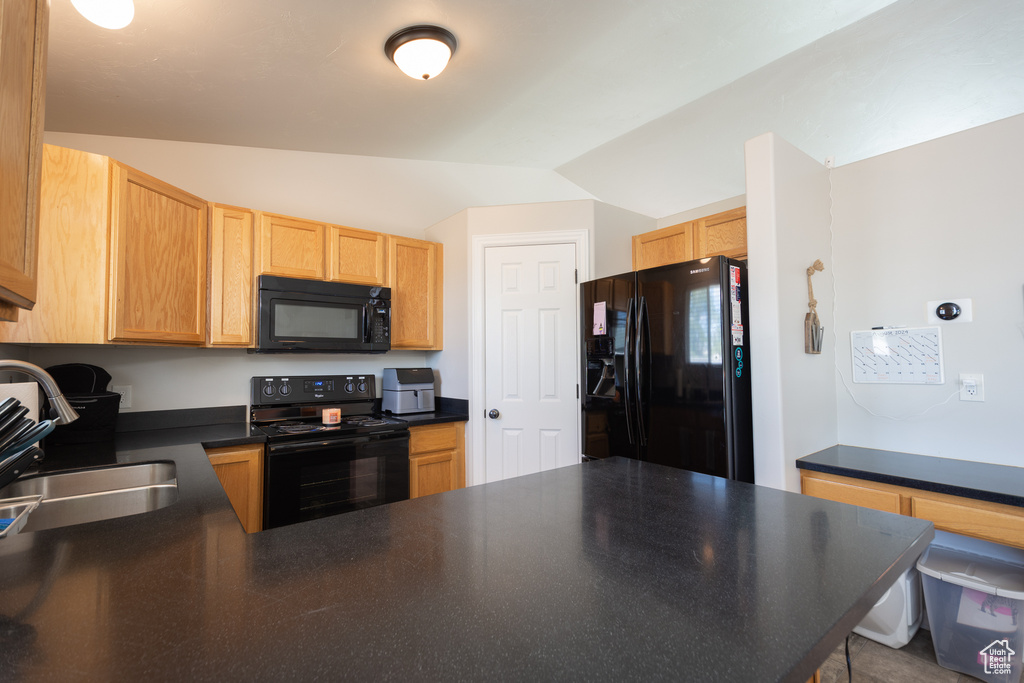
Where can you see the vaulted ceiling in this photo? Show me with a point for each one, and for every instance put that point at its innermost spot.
(644, 104)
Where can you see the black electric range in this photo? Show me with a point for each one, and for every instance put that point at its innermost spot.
(314, 468)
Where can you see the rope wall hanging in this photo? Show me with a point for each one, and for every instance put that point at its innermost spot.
(813, 332)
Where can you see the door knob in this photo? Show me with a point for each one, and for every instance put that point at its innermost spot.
(493, 414)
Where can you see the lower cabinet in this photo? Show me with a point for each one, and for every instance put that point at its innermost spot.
(240, 470)
(437, 458)
(978, 518)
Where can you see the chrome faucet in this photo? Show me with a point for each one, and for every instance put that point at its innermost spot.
(65, 413)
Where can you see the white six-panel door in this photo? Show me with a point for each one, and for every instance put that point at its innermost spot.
(530, 347)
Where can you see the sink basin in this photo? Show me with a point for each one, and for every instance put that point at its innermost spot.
(95, 494)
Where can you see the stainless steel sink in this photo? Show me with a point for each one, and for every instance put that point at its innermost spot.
(91, 495)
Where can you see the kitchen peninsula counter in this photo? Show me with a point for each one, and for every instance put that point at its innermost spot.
(604, 571)
(1001, 484)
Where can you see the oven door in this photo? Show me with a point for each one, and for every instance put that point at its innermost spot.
(310, 480)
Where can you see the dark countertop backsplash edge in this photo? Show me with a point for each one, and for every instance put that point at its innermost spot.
(217, 415)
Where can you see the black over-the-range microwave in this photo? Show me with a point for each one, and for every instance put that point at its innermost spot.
(311, 316)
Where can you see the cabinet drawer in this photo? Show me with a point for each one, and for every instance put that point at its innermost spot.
(886, 501)
(432, 438)
(980, 520)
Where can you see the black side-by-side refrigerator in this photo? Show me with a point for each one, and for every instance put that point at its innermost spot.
(666, 366)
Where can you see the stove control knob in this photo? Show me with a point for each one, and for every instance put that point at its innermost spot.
(285, 389)
(268, 389)
(362, 387)
(349, 388)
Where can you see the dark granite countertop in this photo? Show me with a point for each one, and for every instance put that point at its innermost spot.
(437, 417)
(981, 481)
(605, 571)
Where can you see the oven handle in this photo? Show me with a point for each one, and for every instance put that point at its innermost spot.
(307, 446)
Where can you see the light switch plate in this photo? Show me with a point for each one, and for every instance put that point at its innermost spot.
(966, 312)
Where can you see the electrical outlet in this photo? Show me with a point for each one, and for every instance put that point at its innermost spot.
(972, 387)
(126, 395)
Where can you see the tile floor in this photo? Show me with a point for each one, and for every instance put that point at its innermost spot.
(876, 663)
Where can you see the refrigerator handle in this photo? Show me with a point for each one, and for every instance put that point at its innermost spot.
(628, 359)
(643, 347)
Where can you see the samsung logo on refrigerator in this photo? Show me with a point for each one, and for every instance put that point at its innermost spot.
(699, 270)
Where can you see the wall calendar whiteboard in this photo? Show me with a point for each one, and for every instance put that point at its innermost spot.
(909, 355)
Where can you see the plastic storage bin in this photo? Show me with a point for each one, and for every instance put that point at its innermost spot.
(896, 616)
(974, 593)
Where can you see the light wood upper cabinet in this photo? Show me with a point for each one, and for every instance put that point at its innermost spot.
(158, 266)
(290, 247)
(415, 278)
(673, 244)
(74, 218)
(132, 259)
(357, 256)
(240, 471)
(125, 255)
(230, 305)
(23, 34)
(724, 234)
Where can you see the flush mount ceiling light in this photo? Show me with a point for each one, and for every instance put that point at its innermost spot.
(112, 14)
(422, 52)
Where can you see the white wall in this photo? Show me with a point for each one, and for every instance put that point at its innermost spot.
(701, 211)
(176, 378)
(452, 364)
(614, 228)
(787, 229)
(397, 196)
(935, 221)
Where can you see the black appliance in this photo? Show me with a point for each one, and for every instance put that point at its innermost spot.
(666, 366)
(85, 388)
(312, 316)
(312, 469)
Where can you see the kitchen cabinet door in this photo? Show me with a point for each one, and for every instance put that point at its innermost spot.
(240, 471)
(978, 518)
(290, 247)
(74, 221)
(23, 35)
(356, 256)
(415, 278)
(158, 269)
(230, 306)
(431, 473)
(437, 458)
(673, 244)
(723, 234)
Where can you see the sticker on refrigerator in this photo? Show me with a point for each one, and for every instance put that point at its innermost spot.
(600, 318)
(736, 305)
